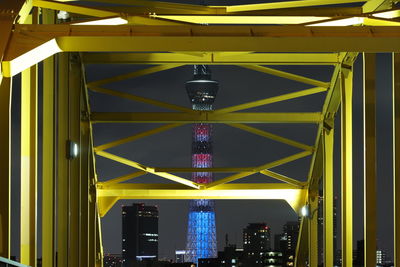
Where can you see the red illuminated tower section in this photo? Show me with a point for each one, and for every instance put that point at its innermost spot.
(201, 234)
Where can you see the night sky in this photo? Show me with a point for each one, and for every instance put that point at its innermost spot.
(232, 148)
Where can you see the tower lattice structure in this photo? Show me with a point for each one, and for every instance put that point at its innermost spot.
(201, 233)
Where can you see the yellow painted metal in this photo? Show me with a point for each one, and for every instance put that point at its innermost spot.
(24, 11)
(396, 156)
(136, 137)
(313, 230)
(370, 201)
(123, 178)
(5, 167)
(347, 166)
(300, 259)
(258, 169)
(71, 8)
(140, 99)
(374, 5)
(271, 100)
(292, 194)
(254, 20)
(33, 43)
(105, 204)
(148, 169)
(388, 14)
(214, 58)
(361, 21)
(62, 164)
(272, 136)
(289, 76)
(328, 194)
(48, 159)
(99, 242)
(134, 74)
(29, 94)
(283, 178)
(204, 117)
(287, 4)
(74, 175)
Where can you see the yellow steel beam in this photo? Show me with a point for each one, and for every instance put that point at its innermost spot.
(272, 136)
(286, 75)
(396, 155)
(293, 195)
(123, 178)
(254, 20)
(374, 5)
(214, 58)
(370, 204)
(140, 99)
(362, 21)
(271, 100)
(72, 8)
(300, 259)
(5, 167)
(204, 117)
(283, 178)
(313, 229)
(31, 44)
(148, 169)
(134, 74)
(29, 93)
(136, 137)
(287, 4)
(48, 157)
(347, 166)
(328, 194)
(258, 169)
(105, 204)
(388, 14)
(62, 164)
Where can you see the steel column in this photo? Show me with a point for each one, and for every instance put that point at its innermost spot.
(347, 166)
(29, 166)
(313, 229)
(369, 107)
(396, 156)
(328, 232)
(62, 163)
(48, 157)
(5, 166)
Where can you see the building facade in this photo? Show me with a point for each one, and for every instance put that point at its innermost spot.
(139, 233)
(256, 243)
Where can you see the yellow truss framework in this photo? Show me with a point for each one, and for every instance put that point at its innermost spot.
(170, 35)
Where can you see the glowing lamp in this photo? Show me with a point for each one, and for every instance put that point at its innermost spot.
(305, 211)
(72, 149)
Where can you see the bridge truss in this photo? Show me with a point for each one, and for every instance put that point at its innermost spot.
(169, 35)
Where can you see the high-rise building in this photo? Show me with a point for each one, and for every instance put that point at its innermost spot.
(180, 256)
(201, 233)
(381, 258)
(256, 243)
(112, 260)
(321, 229)
(289, 242)
(139, 233)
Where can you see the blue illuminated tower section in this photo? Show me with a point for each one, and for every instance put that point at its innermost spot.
(201, 234)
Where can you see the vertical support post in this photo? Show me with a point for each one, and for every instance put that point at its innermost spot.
(5, 165)
(369, 106)
(29, 166)
(347, 165)
(74, 89)
(328, 232)
(62, 163)
(396, 156)
(48, 156)
(313, 229)
(302, 245)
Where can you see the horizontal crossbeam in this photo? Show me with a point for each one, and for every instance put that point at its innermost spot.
(31, 44)
(204, 117)
(293, 195)
(214, 58)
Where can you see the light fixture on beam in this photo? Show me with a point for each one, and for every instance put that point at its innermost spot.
(72, 149)
(305, 211)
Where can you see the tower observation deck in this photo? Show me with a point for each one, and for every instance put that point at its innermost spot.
(201, 233)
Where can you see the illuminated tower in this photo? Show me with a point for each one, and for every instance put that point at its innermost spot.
(201, 234)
